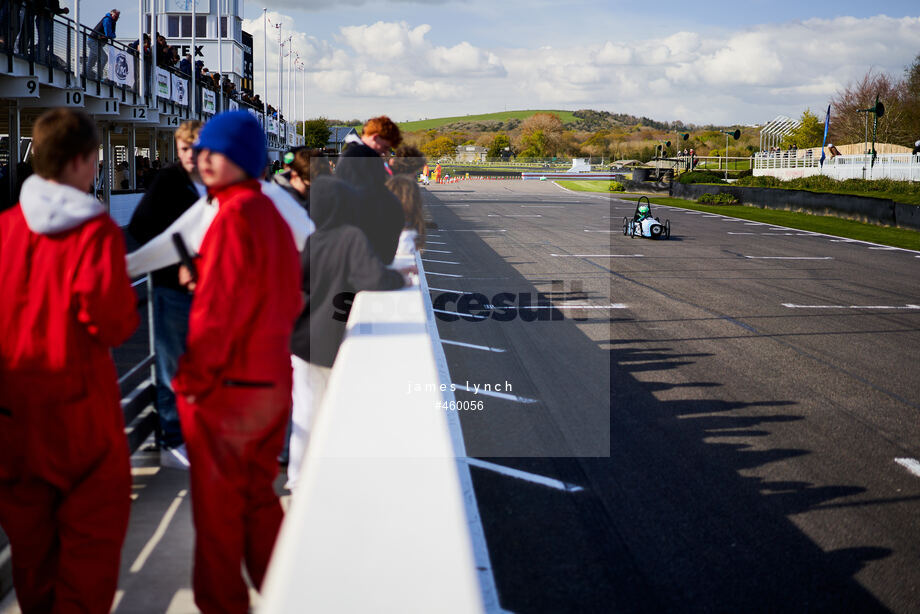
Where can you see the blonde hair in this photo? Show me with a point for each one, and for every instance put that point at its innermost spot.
(188, 131)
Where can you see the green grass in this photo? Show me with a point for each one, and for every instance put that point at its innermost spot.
(838, 227)
(434, 124)
(736, 165)
(586, 185)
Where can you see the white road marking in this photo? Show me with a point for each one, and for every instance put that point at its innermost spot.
(910, 464)
(436, 251)
(492, 393)
(439, 261)
(435, 242)
(754, 224)
(472, 345)
(597, 255)
(442, 274)
(151, 544)
(742, 233)
(557, 306)
(886, 249)
(794, 306)
(790, 257)
(431, 235)
(524, 475)
(542, 206)
(457, 313)
(446, 290)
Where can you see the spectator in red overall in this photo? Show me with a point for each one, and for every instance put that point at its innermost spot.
(234, 382)
(65, 478)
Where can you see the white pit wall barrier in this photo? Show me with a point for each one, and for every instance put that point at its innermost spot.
(378, 522)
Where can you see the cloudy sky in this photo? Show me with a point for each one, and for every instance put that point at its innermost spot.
(720, 62)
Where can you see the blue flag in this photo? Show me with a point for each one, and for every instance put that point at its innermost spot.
(827, 123)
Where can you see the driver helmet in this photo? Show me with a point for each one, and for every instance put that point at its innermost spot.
(643, 209)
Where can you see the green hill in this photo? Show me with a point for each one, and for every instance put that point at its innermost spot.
(503, 116)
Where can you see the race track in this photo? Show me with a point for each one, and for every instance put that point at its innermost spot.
(725, 421)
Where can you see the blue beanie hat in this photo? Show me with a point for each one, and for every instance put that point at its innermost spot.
(237, 135)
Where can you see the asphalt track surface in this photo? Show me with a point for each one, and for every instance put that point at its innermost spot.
(733, 428)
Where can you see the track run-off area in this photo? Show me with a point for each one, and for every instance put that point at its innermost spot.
(723, 421)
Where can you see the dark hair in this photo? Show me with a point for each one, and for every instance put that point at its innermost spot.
(405, 188)
(408, 160)
(309, 163)
(59, 136)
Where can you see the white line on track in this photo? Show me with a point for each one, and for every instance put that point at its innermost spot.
(431, 235)
(911, 464)
(441, 274)
(524, 475)
(457, 313)
(436, 242)
(886, 249)
(597, 255)
(741, 233)
(794, 306)
(439, 261)
(497, 395)
(158, 534)
(557, 306)
(436, 251)
(790, 257)
(485, 348)
(451, 291)
(542, 206)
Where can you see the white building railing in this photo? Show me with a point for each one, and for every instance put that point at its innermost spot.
(787, 165)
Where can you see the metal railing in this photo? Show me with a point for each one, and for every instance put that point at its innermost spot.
(138, 384)
(63, 53)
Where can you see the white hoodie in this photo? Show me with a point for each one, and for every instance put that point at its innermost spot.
(50, 208)
(160, 252)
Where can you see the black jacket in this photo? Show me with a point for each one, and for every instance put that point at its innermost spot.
(336, 262)
(378, 212)
(170, 195)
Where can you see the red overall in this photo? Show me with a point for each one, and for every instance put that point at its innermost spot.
(65, 478)
(234, 391)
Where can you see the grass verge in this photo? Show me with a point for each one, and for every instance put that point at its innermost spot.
(838, 227)
(600, 185)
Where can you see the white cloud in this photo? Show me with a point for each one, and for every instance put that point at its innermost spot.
(742, 76)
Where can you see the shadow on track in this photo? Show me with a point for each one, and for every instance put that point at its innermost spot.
(673, 520)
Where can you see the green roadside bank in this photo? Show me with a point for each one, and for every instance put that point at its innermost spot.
(838, 227)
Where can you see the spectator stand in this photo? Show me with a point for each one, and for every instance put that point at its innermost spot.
(67, 65)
